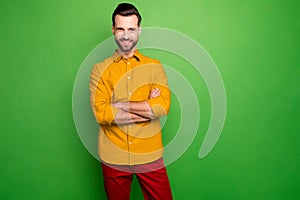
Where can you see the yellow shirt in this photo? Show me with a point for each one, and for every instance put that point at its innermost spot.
(118, 79)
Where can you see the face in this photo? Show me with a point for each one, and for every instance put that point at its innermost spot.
(126, 31)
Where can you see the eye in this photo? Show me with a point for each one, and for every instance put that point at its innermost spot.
(119, 30)
(132, 30)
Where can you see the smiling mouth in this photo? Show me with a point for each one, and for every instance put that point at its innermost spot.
(125, 42)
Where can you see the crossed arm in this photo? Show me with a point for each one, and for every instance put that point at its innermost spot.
(131, 112)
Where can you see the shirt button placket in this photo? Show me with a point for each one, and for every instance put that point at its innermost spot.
(129, 78)
(129, 84)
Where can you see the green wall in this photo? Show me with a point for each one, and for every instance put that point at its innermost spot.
(255, 45)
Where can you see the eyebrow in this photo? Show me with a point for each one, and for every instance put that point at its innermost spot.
(121, 28)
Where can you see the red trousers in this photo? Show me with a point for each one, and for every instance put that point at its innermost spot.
(155, 184)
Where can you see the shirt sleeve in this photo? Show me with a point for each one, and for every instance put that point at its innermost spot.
(160, 105)
(100, 97)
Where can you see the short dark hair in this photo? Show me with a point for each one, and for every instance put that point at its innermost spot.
(126, 9)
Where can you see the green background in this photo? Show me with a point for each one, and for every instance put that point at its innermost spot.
(255, 45)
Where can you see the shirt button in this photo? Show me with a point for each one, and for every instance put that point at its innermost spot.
(128, 77)
(129, 93)
(129, 126)
(130, 142)
(128, 63)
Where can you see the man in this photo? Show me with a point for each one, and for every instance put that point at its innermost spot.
(129, 93)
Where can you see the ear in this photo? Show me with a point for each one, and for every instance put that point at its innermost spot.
(113, 29)
(140, 30)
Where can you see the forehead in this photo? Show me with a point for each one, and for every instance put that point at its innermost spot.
(126, 21)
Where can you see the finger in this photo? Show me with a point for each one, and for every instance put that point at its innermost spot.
(151, 94)
(155, 93)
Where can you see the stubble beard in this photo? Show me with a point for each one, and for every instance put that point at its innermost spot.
(126, 49)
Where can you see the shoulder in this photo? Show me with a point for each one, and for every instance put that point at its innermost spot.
(100, 67)
(151, 65)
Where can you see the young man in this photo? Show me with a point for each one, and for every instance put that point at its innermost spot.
(129, 93)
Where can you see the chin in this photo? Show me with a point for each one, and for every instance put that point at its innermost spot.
(127, 50)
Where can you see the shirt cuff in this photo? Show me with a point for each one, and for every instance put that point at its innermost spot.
(157, 108)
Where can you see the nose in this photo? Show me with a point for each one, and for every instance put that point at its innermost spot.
(126, 34)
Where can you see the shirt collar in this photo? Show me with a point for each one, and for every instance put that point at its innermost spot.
(117, 57)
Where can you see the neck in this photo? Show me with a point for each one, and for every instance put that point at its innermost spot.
(127, 54)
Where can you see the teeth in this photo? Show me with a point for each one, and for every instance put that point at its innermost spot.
(126, 42)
